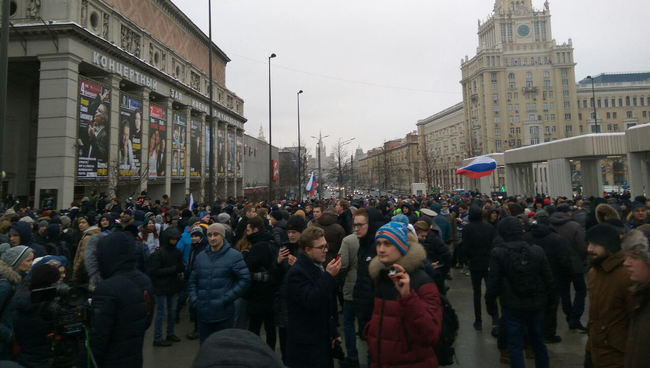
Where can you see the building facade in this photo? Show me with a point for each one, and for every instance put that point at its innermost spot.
(256, 167)
(394, 166)
(519, 89)
(114, 95)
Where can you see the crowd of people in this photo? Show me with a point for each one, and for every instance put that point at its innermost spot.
(373, 268)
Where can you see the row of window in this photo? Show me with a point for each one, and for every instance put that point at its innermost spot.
(605, 102)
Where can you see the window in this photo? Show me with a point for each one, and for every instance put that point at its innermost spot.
(517, 107)
(512, 130)
(565, 72)
(498, 143)
(565, 82)
(518, 142)
(547, 75)
(495, 86)
(512, 85)
(609, 127)
(569, 128)
(517, 119)
(616, 127)
(518, 130)
(609, 115)
(529, 75)
(552, 105)
(545, 106)
(550, 94)
(511, 76)
(495, 108)
(567, 104)
(599, 103)
(534, 141)
(532, 117)
(567, 117)
(613, 102)
(627, 101)
(580, 116)
(634, 101)
(547, 130)
(547, 84)
(546, 117)
(630, 114)
(614, 115)
(565, 93)
(509, 107)
(642, 101)
(494, 77)
(516, 95)
(620, 102)
(606, 102)
(511, 119)
(497, 120)
(509, 96)
(529, 84)
(645, 114)
(553, 129)
(527, 107)
(497, 131)
(495, 97)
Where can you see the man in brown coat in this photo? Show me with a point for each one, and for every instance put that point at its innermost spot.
(334, 233)
(637, 263)
(610, 300)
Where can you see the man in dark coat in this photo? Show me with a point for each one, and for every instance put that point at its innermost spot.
(122, 305)
(344, 216)
(477, 245)
(559, 260)
(259, 261)
(240, 229)
(334, 233)
(20, 233)
(279, 230)
(521, 278)
(309, 289)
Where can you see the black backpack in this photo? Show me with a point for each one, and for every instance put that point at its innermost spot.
(524, 279)
(445, 351)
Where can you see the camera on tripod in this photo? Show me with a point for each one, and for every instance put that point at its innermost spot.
(67, 308)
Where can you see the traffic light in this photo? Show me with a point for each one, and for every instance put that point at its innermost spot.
(503, 188)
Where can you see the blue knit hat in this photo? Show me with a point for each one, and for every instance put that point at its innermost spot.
(396, 233)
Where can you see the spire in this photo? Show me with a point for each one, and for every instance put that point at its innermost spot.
(260, 136)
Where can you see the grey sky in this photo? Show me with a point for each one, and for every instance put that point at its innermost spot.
(413, 46)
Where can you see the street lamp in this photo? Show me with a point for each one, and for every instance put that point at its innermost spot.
(593, 91)
(299, 160)
(270, 196)
(320, 180)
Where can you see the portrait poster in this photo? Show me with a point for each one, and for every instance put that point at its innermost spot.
(221, 153)
(157, 155)
(130, 144)
(196, 148)
(239, 157)
(179, 131)
(231, 155)
(206, 143)
(93, 131)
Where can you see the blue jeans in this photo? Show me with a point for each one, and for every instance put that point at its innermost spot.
(208, 328)
(515, 321)
(573, 311)
(166, 305)
(349, 330)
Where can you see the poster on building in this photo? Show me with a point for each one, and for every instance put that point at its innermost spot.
(196, 147)
(129, 151)
(239, 157)
(207, 150)
(231, 155)
(179, 131)
(221, 153)
(157, 158)
(93, 131)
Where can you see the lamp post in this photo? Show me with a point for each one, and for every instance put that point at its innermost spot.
(210, 121)
(593, 92)
(270, 196)
(299, 156)
(320, 181)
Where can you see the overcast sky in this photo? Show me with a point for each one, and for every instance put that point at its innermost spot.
(370, 69)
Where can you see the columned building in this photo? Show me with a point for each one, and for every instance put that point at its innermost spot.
(114, 95)
(519, 88)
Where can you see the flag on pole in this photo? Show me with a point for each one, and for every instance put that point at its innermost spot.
(190, 205)
(311, 186)
(480, 167)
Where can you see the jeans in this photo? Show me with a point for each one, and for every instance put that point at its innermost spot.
(349, 330)
(516, 321)
(573, 311)
(166, 305)
(208, 328)
(477, 278)
(255, 325)
(282, 333)
(182, 298)
(241, 314)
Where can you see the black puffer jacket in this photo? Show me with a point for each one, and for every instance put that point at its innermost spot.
(123, 305)
(556, 249)
(437, 251)
(279, 232)
(364, 289)
(31, 331)
(501, 279)
(477, 240)
(571, 231)
(345, 220)
(259, 260)
(166, 264)
(334, 234)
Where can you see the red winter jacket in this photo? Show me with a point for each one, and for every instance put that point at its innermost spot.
(403, 332)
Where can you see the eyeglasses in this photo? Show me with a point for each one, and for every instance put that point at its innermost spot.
(325, 247)
(359, 225)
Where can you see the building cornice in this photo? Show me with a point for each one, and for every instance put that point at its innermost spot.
(446, 112)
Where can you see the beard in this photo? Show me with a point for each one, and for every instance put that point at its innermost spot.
(595, 261)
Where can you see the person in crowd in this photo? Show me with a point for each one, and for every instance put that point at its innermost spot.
(610, 300)
(199, 243)
(334, 233)
(14, 262)
(442, 222)
(225, 220)
(148, 234)
(317, 212)
(521, 278)
(311, 334)
(259, 261)
(437, 254)
(240, 229)
(39, 234)
(477, 246)
(405, 329)
(559, 260)
(236, 348)
(88, 229)
(166, 270)
(185, 246)
(219, 278)
(638, 217)
(637, 264)
(571, 231)
(605, 212)
(56, 246)
(344, 217)
(279, 230)
(20, 233)
(459, 259)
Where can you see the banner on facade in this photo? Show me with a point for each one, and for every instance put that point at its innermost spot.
(196, 147)
(231, 155)
(179, 132)
(239, 157)
(93, 131)
(206, 143)
(157, 156)
(129, 151)
(221, 153)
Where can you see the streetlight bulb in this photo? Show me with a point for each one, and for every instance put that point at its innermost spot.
(299, 92)
(272, 56)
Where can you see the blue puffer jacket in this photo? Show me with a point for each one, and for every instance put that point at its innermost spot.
(217, 280)
(442, 222)
(185, 246)
(9, 281)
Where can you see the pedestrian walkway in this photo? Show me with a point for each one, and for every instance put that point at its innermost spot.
(473, 348)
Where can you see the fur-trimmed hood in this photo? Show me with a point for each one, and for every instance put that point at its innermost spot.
(411, 261)
(9, 274)
(604, 210)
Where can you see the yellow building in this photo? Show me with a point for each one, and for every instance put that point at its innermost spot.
(392, 167)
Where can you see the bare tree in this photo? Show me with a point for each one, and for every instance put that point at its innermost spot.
(127, 186)
(340, 168)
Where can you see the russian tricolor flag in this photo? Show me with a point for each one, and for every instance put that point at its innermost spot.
(480, 167)
(311, 186)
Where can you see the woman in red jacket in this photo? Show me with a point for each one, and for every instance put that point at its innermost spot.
(407, 316)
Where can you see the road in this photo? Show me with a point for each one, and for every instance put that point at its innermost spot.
(473, 348)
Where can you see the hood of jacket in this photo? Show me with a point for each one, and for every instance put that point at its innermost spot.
(260, 236)
(475, 214)
(25, 231)
(604, 210)
(375, 221)
(8, 273)
(282, 224)
(437, 207)
(511, 229)
(111, 221)
(171, 232)
(540, 231)
(327, 219)
(411, 261)
(116, 253)
(560, 218)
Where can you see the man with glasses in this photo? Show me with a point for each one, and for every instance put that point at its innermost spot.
(309, 290)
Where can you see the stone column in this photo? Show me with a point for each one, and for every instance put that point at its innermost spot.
(56, 163)
(167, 105)
(512, 187)
(144, 155)
(484, 185)
(638, 173)
(559, 178)
(239, 192)
(591, 178)
(201, 117)
(188, 138)
(114, 136)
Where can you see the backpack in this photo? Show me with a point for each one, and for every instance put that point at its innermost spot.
(524, 279)
(445, 351)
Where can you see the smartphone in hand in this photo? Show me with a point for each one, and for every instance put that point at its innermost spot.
(338, 257)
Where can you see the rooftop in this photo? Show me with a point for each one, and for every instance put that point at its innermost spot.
(618, 77)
